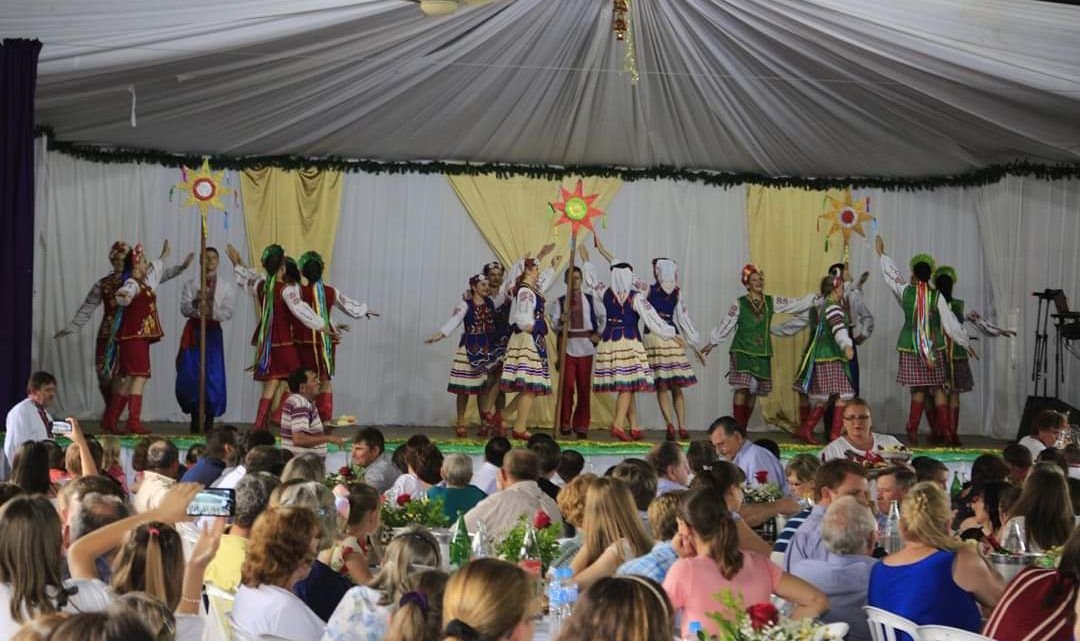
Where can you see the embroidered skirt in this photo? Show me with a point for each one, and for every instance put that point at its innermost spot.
(747, 381)
(284, 360)
(525, 367)
(829, 378)
(914, 373)
(134, 358)
(622, 365)
(669, 363)
(464, 377)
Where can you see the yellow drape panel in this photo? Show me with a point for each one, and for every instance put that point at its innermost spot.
(297, 209)
(787, 245)
(513, 216)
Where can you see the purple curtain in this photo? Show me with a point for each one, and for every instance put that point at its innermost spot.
(18, 79)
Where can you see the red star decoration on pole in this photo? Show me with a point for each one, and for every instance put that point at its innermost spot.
(576, 209)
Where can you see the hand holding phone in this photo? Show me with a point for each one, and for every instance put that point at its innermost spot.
(61, 428)
(213, 501)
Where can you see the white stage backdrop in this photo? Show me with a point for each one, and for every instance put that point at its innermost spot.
(406, 246)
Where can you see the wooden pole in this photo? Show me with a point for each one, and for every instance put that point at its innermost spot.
(203, 306)
(564, 337)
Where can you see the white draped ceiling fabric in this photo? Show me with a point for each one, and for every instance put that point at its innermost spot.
(796, 87)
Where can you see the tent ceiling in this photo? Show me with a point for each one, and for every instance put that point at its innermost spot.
(796, 87)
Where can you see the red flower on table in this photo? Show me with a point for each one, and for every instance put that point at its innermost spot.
(761, 476)
(541, 520)
(762, 615)
(402, 499)
(345, 471)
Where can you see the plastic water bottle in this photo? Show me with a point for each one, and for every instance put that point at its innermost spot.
(692, 630)
(560, 598)
(480, 546)
(569, 590)
(890, 532)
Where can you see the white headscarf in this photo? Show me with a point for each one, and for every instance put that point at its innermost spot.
(622, 280)
(667, 274)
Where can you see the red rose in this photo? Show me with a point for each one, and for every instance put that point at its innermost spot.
(761, 476)
(345, 471)
(402, 499)
(762, 615)
(541, 520)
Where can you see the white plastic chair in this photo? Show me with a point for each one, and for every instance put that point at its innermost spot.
(945, 633)
(218, 622)
(884, 625)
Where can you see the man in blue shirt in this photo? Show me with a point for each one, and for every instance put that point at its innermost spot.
(837, 478)
(656, 563)
(220, 454)
(758, 463)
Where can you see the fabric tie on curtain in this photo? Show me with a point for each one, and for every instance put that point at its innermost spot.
(786, 244)
(512, 214)
(299, 210)
(18, 80)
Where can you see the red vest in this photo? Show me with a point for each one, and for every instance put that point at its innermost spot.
(303, 334)
(140, 320)
(281, 328)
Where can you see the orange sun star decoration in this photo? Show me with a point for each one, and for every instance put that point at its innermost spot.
(576, 209)
(845, 216)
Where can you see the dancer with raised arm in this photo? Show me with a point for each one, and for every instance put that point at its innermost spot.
(317, 349)
(750, 320)
(670, 366)
(921, 348)
(475, 369)
(278, 301)
(622, 365)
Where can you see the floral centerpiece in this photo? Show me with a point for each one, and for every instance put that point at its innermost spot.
(406, 511)
(759, 622)
(346, 477)
(547, 540)
(762, 491)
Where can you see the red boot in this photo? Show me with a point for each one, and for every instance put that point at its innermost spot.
(670, 435)
(948, 430)
(325, 402)
(914, 418)
(684, 434)
(956, 421)
(134, 423)
(742, 413)
(260, 416)
(837, 422)
(936, 435)
(804, 413)
(805, 432)
(112, 414)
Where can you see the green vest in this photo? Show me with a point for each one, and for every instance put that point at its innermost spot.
(752, 336)
(825, 346)
(906, 341)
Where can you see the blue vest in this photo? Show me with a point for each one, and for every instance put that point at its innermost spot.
(664, 304)
(622, 320)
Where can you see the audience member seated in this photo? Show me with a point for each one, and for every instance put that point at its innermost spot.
(838, 477)
(891, 484)
(572, 507)
(70, 495)
(8, 491)
(323, 587)
(987, 468)
(159, 620)
(30, 469)
(932, 470)
(726, 481)
(220, 454)
(159, 475)
(848, 531)
(613, 532)
(857, 436)
(279, 553)
(369, 452)
(772, 446)
(494, 451)
(423, 461)
(656, 562)
(1044, 510)
(458, 496)
(985, 522)
(58, 474)
(549, 453)
(29, 419)
(111, 465)
(1046, 428)
(98, 626)
(489, 599)
(672, 467)
(418, 615)
(759, 464)
(800, 472)
(719, 564)
(364, 613)
(252, 498)
(518, 496)
(1038, 602)
(302, 431)
(641, 478)
(699, 455)
(630, 608)
(259, 458)
(305, 467)
(571, 463)
(934, 579)
(92, 512)
(1019, 461)
(353, 553)
(73, 458)
(191, 457)
(1056, 457)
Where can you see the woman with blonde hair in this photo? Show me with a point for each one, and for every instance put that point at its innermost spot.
(306, 467)
(364, 612)
(625, 608)
(486, 601)
(571, 500)
(418, 616)
(111, 464)
(614, 533)
(933, 579)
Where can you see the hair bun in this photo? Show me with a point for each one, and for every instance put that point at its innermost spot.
(461, 630)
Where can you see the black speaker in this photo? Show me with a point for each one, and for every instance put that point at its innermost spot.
(1036, 404)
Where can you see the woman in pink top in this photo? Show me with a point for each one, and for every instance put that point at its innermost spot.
(712, 562)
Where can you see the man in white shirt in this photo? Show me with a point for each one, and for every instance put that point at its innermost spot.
(162, 468)
(856, 440)
(518, 496)
(369, 452)
(29, 420)
(301, 428)
(486, 477)
(1045, 431)
(586, 321)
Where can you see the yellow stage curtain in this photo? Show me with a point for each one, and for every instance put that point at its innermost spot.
(513, 216)
(786, 243)
(299, 210)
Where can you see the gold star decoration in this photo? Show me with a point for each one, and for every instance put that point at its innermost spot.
(845, 216)
(204, 188)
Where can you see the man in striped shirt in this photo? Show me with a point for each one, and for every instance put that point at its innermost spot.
(301, 428)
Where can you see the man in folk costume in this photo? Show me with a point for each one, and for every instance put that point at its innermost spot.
(318, 350)
(750, 319)
(824, 373)
(586, 319)
(670, 365)
(958, 374)
(217, 307)
(103, 293)
(922, 353)
(278, 300)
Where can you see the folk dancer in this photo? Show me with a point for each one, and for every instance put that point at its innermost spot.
(586, 317)
(670, 366)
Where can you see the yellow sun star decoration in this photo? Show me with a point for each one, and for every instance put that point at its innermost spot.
(846, 216)
(204, 188)
(576, 209)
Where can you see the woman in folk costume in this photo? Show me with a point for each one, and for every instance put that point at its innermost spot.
(958, 372)
(824, 372)
(621, 363)
(750, 320)
(138, 326)
(525, 365)
(922, 352)
(475, 370)
(317, 350)
(670, 367)
(278, 301)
